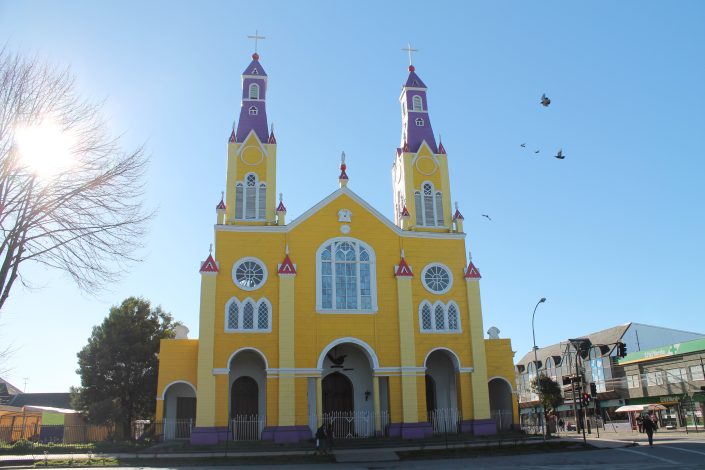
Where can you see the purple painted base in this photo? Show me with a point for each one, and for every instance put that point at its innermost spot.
(286, 434)
(410, 430)
(479, 427)
(209, 435)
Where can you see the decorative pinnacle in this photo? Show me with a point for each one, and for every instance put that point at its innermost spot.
(456, 205)
(286, 249)
(469, 256)
(402, 252)
(210, 249)
(281, 198)
(343, 167)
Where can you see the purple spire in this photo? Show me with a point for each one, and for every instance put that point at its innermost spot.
(416, 123)
(253, 113)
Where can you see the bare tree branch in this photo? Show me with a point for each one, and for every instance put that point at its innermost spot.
(88, 219)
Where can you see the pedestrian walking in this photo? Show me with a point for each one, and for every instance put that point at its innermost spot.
(329, 436)
(321, 440)
(561, 424)
(640, 423)
(649, 428)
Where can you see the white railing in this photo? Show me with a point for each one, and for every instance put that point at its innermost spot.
(444, 420)
(247, 427)
(177, 428)
(352, 424)
(503, 418)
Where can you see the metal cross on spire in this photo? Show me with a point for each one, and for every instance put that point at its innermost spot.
(409, 49)
(256, 37)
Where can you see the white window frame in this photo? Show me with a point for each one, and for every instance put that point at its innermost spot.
(255, 322)
(265, 274)
(433, 217)
(677, 375)
(434, 328)
(260, 199)
(416, 99)
(450, 278)
(253, 87)
(654, 378)
(633, 381)
(419, 122)
(253, 111)
(319, 281)
(696, 372)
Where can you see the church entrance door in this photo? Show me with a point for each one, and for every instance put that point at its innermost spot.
(244, 397)
(430, 396)
(338, 406)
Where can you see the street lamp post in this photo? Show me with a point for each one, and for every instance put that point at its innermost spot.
(536, 360)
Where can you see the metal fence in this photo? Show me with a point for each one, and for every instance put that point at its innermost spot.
(353, 424)
(503, 418)
(444, 420)
(247, 427)
(55, 433)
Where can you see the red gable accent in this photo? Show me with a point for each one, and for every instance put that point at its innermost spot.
(458, 215)
(441, 149)
(472, 272)
(231, 140)
(280, 207)
(403, 270)
(287, 267)
(405, 212)
(220, 206)
(209, 265)
(272, 139)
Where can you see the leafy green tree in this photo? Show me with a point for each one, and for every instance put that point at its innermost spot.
(549, 393)
(119, 365)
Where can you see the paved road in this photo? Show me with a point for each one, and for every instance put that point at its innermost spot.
(667, 453)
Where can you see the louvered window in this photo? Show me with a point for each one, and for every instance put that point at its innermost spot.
(254, 91)
(262, 201)
(239, 201)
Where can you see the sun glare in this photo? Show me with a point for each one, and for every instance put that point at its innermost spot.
(44, 149)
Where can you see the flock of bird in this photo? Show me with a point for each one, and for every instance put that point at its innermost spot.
(545, 102)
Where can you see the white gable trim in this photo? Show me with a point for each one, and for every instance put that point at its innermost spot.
(327, 200)
(243, 146)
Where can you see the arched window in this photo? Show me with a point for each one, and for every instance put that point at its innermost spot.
(419, 122)
(426, 317)
(439, 317)
(250, 198)
(253, 110)
(346, 277)
(248, 316)
(417, 104)
(254, 92)
(429, 206)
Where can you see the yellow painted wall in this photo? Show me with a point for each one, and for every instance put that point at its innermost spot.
(500, 363)
(178, 360)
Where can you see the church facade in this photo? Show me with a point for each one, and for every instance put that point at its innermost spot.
(340, 316)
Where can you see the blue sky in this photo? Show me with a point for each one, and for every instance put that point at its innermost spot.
(613, 233)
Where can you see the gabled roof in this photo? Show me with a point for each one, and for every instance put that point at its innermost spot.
(287, 267)
(255, 68)
(403, 270)
(54, 400)
(209, 265)
(414, 81)
(472, 272)
(344, 190)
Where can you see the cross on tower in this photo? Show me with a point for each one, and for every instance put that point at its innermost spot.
(409, 49)
(256, 37)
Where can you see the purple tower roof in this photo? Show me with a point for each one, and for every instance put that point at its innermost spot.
(253, 112)
(416, 123)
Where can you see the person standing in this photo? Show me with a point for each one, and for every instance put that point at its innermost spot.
(649, 429)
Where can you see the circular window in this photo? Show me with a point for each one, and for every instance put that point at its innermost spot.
(249, 273)
(437, 278)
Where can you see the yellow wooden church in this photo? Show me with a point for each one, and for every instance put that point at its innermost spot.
(340, 316)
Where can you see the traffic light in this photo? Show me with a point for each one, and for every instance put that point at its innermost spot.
(621, 349)
(586, 399)
(593, 389)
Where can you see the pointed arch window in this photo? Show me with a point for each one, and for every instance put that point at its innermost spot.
(248, 316)
(254, 92)
(250, 198)
(345, 280)
(439, 317)
(419, 122)
(429, 206)
(253, 110)
(417, 104)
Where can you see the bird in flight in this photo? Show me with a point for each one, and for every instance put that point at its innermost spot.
(523, 145)
(560, 155)
(487, 216)
(545, 100)
(537, 151)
